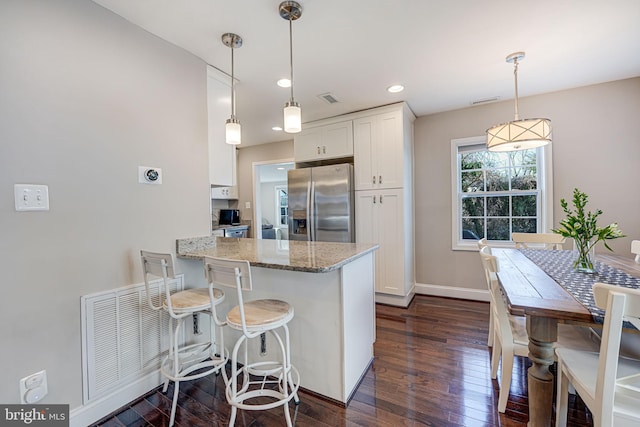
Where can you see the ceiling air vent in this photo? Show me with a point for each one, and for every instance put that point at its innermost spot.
(328, 98)
(484, 101)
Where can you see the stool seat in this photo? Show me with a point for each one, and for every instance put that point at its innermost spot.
(261, 314)
(193, 300)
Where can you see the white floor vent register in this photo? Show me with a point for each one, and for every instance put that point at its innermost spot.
(122, 338)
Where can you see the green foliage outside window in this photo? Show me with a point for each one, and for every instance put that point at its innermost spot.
(499, 193)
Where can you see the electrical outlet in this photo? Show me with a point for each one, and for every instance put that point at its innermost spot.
(34, 387)
(30, 197)
(149, 175)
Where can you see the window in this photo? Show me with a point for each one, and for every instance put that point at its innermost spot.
(282, 205)
(497, 193)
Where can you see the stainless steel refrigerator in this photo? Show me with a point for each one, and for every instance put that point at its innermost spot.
(321, 203)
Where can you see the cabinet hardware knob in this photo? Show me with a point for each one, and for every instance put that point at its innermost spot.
(374, 199)
(381, 198)
(380, 179)
(318, 149)
(374, 179)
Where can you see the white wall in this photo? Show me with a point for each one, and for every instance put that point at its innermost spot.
(86, 97)
(595, 148)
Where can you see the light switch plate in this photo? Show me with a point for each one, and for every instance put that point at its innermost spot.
(29, 197)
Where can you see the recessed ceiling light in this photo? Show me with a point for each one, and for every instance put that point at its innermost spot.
(284, 83)
(395, 88)
(276, 128)
(280, 168)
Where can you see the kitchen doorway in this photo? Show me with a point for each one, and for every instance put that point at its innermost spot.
(270, 199)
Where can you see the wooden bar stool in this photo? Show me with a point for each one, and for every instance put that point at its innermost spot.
(184, 363)
(277, 380)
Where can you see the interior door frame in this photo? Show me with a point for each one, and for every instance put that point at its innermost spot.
(257, 204)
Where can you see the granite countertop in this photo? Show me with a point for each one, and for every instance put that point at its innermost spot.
(311, 257)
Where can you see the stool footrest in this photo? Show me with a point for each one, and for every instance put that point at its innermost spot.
(252, 389)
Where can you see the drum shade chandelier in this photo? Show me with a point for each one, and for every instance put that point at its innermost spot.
(233, 131)
(291, 11)
(518, 134)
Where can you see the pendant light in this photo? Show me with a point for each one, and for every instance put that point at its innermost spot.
(518, 134)
(291, 10)
(233, 131)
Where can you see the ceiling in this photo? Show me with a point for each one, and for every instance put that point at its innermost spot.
(447, 53)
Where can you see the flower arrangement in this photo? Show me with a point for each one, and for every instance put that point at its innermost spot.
(583, 229)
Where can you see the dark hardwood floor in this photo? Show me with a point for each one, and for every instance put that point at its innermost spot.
(431, 368)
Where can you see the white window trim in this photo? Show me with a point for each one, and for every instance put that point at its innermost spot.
(276, 190)
(546, 190)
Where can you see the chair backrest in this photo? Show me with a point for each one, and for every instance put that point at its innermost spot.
(620, 304)
(549, 240)
(490, 266)
(635, 249)
(159, 265)
(498, 304)
(231, 273)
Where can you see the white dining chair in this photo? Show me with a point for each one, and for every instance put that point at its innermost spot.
(549, 240)
(264, 383)
(192, 361)
(635, 249)
(608, 384)
(510, 333)
(482, 243)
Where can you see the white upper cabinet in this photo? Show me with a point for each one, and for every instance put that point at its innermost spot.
(379, 151)
(328, 141)
(222, 156)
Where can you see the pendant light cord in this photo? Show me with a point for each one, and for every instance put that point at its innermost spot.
(233, 89)
(515, 78)
(291, 55)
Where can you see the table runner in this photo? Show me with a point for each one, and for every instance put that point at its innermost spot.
(558, 264)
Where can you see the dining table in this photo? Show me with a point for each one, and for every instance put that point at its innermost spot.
(543, 286)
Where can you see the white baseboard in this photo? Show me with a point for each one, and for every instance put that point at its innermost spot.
(399, 301)
(452, 292)
(94, 411)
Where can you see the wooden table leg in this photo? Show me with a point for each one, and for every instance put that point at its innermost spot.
(543, 332)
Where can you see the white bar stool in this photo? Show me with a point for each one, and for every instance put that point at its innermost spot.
(195, 360)
(277, 379)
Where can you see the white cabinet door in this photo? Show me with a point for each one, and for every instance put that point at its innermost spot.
(222, 156)
(378, 151)
(306, 145)
(379, 220)
(324, 142)
(391, 241)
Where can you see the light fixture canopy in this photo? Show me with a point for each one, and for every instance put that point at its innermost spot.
(291, 11)
(233, 130)
(518, 134)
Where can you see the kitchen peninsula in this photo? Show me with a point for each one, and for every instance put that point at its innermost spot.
(331, 287)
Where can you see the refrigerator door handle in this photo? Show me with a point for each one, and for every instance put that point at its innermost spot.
(311, 211)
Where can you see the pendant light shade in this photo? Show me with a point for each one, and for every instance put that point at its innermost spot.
(233, 130)
(518, 134)
(291, 10)
(292, 118)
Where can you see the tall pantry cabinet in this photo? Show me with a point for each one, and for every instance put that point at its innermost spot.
(383, 169)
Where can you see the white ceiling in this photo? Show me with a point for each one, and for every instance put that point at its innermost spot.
(447, 53)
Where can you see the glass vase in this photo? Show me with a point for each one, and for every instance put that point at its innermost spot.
(585, 257)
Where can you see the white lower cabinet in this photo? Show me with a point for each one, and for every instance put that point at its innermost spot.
(380, 219)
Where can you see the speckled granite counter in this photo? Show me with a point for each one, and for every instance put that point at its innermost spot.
(310, 257)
